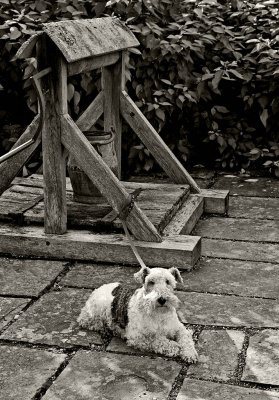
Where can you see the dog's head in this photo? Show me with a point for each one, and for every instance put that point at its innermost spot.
(159, 285)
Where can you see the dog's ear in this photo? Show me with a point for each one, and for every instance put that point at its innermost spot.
(176, 274)
(142, 274)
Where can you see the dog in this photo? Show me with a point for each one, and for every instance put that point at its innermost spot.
(145, 317)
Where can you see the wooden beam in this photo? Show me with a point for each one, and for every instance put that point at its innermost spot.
(104, 179)
(54, 165)
(152, 140)
(186, 218)
(112, 85)
(88, 64)
(10, 169)
(31, 241)
(215, 201)
(91, 115)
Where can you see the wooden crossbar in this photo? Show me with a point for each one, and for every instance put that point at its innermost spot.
(91, 115)
(103, 178)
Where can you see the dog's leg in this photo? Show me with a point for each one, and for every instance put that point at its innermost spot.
(186, 344)
(160, 345)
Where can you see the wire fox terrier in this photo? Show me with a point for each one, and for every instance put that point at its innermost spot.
(145, 317)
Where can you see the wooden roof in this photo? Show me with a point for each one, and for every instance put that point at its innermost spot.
(85, 38)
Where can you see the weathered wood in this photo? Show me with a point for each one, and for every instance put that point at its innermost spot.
(91, 63)
(215, 201)
(11, 168)
(112, 85)
(26, 49)
(180, 251)
(104, 179)
(54, 166)
(186, 218)
(152, 140)
(91, 115)
(79, 39)
(252, 230)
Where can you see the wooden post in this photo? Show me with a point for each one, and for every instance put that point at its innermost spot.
(54, 166)
(112, 85)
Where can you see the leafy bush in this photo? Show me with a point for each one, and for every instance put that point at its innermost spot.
(207, 76)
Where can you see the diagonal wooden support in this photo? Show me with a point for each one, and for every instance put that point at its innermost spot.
(91, 115)
(104, 179)
(152, 140)
(10, 168)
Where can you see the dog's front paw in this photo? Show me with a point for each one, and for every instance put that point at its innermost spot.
(189, 355)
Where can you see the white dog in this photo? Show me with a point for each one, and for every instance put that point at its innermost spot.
(145, 317)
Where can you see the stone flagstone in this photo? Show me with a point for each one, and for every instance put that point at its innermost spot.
(9, 308)
(201, 390)
(218, 310)
(105, 376)
(218, 355)
(231, 277)
(27, 277)
(237, 250)
(23, 371)
(253, 207)
(52, 320)
(262, 360)
(244, 186)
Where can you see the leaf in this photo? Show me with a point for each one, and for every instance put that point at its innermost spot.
(166, 81)
(14, 33)
(135, 50)
(70, 91)
(236, 73)
(264, 117)
(217, 78)
(222, 109)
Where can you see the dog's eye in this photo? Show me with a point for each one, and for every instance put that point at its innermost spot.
(167, 282)
(150, 283)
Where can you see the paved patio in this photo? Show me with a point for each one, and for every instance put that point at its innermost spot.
(230, 301)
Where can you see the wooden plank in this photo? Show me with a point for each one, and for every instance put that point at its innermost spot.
(180, 251)
(91, 63)
(54, 165)
(79, 39)
(10, 169)
(104, 179)
(112, 86)
(237, 250)
(152, 140)
(186, 218)
(91, 115)
(26, 49)
(252, 230)
(253, 207)
(215, 201)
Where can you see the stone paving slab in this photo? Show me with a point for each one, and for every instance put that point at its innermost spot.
(218, 355)
(9, 308)
(104, 376)
(241, 250)
(95, 275)
(231, 277)
(27, 277)
(262, 360)
(218, 310)
(245, 186)
(253, 207)
(201, 390)
(119, 345)
(52, 320)
(251, 230)
(23, 371)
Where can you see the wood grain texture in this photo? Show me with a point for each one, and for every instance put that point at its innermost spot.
(91, 63)
(152, 140)
(54, 166)
(90, 116)
(26, 49)
(11, 168)
(79, 39)
(186, 218)
(180, 251)
(215, 201)
(104, 179)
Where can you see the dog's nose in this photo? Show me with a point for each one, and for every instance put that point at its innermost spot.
(161, 301)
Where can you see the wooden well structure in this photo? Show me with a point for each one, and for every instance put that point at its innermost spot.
(159, 216)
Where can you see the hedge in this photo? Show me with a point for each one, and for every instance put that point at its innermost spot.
(206, 76)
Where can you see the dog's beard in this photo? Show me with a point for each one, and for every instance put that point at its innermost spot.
(150, 302)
